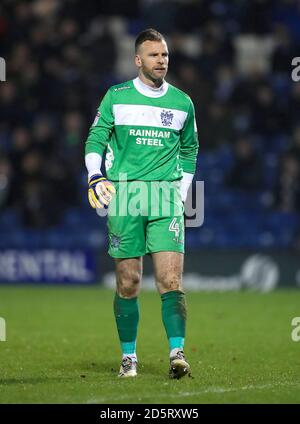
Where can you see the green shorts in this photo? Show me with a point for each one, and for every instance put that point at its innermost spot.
(145, 217)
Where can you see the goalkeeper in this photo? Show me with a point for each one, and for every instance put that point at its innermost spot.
(146, 127)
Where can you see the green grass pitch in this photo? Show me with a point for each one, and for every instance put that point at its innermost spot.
(62, 347)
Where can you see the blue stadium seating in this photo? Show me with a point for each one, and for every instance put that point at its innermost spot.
(233, 218)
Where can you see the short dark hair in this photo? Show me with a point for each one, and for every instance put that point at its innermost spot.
(148, 34)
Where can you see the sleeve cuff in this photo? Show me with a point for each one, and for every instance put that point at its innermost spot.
(93, 163)
(185, 183)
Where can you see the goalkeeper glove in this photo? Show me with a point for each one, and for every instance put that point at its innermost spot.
(100, 191)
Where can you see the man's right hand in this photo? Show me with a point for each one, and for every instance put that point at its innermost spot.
(100, 191)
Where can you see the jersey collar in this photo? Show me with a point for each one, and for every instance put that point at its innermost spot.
(149, 91)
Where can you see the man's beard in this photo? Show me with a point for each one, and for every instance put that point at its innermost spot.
(150, 75)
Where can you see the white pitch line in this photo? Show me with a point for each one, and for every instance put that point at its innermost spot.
(201, 392)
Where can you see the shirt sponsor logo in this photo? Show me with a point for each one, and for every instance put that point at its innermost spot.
(155, 139)
(149, 133)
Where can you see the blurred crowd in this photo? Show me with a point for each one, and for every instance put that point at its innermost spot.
(233, 58)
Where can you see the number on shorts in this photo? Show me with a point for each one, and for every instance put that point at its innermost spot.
(174, 226)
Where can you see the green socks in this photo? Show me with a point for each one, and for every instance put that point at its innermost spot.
(127, 317)
(174, 317)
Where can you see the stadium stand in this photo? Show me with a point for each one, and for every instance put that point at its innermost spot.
(233, 58)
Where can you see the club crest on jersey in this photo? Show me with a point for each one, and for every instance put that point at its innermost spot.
(166, 117)
(98, 114)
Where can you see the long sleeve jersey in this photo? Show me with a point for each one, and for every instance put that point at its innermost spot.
(146, 134)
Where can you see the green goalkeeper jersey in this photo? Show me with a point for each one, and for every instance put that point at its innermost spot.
(145, 137)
